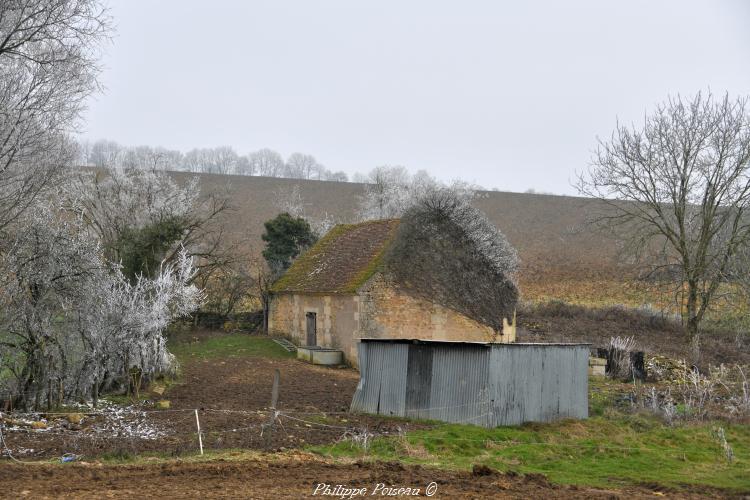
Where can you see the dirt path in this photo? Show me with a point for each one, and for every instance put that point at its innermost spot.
(288, 478)
(245, 384)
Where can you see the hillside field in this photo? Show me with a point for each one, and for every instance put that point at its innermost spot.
(563, 258)
(555, 242)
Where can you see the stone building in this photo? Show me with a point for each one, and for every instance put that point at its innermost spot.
(342, 290)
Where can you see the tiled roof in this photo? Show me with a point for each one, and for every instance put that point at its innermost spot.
(342, 261)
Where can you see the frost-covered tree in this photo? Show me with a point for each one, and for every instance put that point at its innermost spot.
(71, 321)
(115, 201)
(449, 252)
(105, 154)
(149, 208)
(49, 52)
(289, 200)
(386, 193)
(144, 217)
(390, 191)
(146, 157)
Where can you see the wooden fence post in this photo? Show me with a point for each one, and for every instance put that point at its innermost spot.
(274, 401)
(198, 424)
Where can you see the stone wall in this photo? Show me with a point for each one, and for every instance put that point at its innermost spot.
(388, 313)
(377, 311)
(337, 320)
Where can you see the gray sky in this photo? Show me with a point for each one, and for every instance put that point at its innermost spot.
(508, 95)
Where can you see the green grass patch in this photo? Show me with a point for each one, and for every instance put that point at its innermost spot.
(228, 346)
(601, 451)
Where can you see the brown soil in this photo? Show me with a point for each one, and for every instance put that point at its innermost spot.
(232, 396)
(286, 477)
(559, 322)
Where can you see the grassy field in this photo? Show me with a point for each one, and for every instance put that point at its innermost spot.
(614, 447)
(602, 451)
(227, 346)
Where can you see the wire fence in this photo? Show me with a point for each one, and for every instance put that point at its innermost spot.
(191, 430)
(130, 431)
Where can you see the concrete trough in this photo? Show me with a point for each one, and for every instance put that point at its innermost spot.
(320, 355)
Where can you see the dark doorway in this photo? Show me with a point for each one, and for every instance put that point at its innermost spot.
(312, 334)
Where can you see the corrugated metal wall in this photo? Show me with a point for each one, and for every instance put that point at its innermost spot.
(463, 382)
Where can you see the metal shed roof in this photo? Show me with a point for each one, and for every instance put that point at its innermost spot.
(459, 342)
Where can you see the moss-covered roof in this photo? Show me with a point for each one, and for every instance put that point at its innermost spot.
(342, 261)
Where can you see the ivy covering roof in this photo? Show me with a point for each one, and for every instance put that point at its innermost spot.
(342, 261)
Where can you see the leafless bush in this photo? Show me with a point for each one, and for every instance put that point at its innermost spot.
(359, 437)
(698, 391)
(722, 392)
(619, 357)
(738, 403)
(718, 433)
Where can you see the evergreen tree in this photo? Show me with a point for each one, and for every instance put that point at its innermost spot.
(286, 237)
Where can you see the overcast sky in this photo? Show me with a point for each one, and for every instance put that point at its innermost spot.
(508, 95)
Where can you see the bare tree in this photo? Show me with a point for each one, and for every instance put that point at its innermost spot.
(48, 66)
(300, 166)
(390, 191)
(290, 200)
(116, 201)
(104, 154)
(225, 160)
(677, 191)
(266, 162)
(148, 158)
(244, 167)
(339, 176)
(741, 272)
(219, 160)
(386, 193)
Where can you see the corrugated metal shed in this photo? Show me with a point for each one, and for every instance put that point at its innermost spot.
(471, 382)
